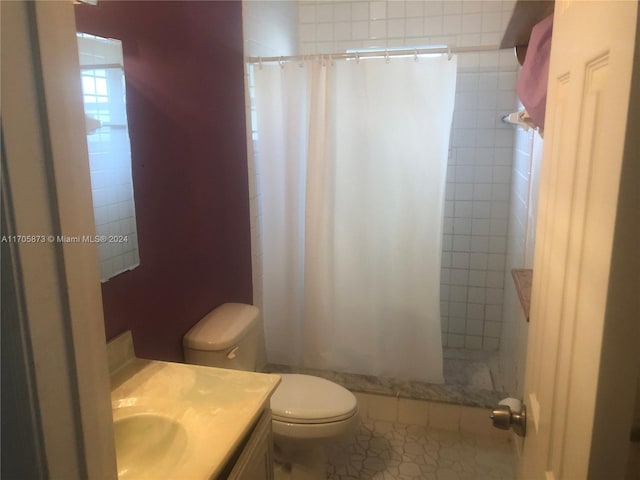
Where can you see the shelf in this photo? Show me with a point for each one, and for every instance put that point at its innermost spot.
(526, 14)
(523, 278)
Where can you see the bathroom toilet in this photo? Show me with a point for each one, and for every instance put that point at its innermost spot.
(307, 411)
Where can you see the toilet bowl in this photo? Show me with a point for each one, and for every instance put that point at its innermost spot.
(308, 412)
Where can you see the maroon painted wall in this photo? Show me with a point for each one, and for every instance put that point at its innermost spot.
(185, 102)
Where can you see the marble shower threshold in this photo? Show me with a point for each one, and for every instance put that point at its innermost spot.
(458, 394)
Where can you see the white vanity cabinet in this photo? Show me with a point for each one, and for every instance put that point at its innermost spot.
(255, 457)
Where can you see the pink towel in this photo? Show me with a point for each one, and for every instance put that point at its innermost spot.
(532, 82)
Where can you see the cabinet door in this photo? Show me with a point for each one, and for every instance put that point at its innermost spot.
(256, 460)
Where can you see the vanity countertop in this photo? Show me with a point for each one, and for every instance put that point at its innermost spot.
(214, 408)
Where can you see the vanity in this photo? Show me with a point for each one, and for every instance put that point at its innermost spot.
(173, 420)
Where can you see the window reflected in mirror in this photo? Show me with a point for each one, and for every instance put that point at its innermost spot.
(103, 89)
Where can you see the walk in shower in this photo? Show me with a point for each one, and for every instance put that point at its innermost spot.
(477, 198)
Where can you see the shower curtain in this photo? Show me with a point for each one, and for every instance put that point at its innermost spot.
(350, 166)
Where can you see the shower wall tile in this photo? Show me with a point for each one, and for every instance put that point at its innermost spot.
(384, 24)
(527, 157)
(271, 27)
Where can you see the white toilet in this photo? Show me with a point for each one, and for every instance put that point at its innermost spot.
(307, 411)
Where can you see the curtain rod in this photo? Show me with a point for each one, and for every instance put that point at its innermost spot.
(378, 53)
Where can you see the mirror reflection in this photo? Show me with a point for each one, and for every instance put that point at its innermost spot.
(103, 89)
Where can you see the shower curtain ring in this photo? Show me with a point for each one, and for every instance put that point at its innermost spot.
(415, 55)
(386, 56)
(357, 57)
(260, 63)
(281, 62)
(449, 54)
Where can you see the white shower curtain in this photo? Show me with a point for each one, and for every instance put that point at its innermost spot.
(351, 162)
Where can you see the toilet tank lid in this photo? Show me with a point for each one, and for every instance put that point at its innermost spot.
(221, 328)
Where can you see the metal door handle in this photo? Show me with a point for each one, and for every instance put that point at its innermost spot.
(505, 419)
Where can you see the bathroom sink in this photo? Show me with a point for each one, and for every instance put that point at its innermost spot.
(147, 444)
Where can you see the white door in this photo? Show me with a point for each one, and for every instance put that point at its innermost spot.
(575, 430)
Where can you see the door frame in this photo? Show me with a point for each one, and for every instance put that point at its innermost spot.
(619, 358)
(58, 284)
(55, 284)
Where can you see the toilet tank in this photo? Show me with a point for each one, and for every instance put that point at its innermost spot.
(227, 337)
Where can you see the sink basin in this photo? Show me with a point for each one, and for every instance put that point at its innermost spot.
(147, 443)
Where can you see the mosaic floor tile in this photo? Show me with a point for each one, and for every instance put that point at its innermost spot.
(395, 451)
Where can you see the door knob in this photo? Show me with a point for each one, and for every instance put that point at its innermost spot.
(504, 418)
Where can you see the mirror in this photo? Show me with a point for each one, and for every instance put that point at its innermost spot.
(104, 98)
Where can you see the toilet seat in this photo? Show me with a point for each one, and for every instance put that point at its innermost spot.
(304, 399)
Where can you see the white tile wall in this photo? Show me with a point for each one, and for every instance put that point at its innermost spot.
(110, 165)
(270, 27)
(332, 26)
(524, 195)
(114, 211)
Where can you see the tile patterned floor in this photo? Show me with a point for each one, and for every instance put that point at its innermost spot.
(395, 451)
